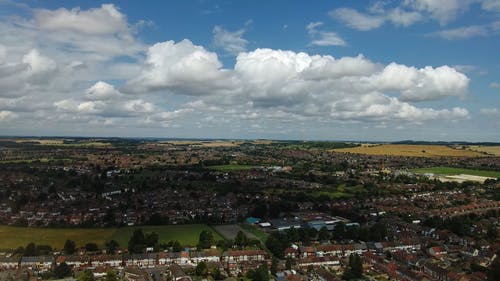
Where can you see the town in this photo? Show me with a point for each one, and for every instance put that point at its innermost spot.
(260, 210)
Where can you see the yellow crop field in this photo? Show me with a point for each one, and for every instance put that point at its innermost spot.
(493, 150)
(60, 142)
(410, 150)
(215, 143)
(42, 141)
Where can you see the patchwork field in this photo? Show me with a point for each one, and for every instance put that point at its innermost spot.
(215, 143)
(226, 168)
(493, 150)
(13, 237)
(229, 231)
(410, 150)
(61, 142)
(449, 171)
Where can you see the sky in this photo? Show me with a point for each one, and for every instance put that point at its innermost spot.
(377, 70)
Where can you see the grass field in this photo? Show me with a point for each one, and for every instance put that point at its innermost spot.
(457, 171)
(410, 150)
(27, 161)
(61, 142)
(261, 235)
(227, 168)
(493, 150)
(13, 237)
(214, 143)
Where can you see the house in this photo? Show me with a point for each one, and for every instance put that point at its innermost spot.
(135, 274)
(106, 260)
(175, 273)
(291, 252)
(329, 250)
(100, 271)
(165, 258)
(140, 260)
(205, 256)
(75, 261)
(11, 262)
(243, 255)
(170, 258)
(318, 261)
(38, 263)
(436, 251)
(307, 251)
(435, 272)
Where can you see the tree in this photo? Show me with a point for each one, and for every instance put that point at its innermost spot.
(86, 275)
(151, 240)
(91, 247)
(494, 272)
(339, 231)
(111, 275)
(274, 266)
(355, 268)
(277, 243)
(69, 247)
(30, 249)
(288, 263)
(62, 270)
(201, 269)
(323, 234)
(111, 246)
(262, 273)
(137, 242)
(216, 274)
(157, 219)
(492, 232)
(241, 239)
(206, 239)
(176, 246)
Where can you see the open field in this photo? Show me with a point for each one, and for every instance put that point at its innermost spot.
(449, 171)
(229, 231)
(261, 235)
(27, 161)
(215, 143)
(493, 150)
(235, 167)
(13, 237)
(186, 234)
(61, 142)
(410, 150)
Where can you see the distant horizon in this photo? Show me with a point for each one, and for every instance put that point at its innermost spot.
(371, 70)
(403, 141)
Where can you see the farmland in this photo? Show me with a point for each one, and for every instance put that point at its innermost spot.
(493, 150)
(63, 142)
(410, 150)
(13, 237)
(235, 167)
(457, 171)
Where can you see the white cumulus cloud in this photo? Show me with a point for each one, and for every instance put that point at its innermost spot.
(231, 42)
(323, 38)
(357, 20)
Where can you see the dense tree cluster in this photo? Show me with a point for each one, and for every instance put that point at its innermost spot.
(355, 268)
(140, 241)
(259, 274)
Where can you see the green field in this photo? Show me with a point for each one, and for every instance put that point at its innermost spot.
(261, 235)
(28, 161)
(227, 168)
(255, 231)
(456, 171)
(13, 237)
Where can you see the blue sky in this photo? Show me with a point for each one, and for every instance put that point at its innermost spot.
(337, 70)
